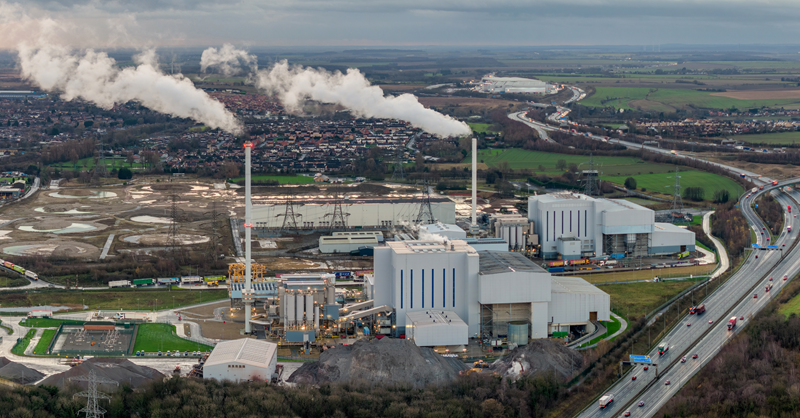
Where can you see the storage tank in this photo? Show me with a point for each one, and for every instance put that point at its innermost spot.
(520, 236)
(282, 299)
(331, 295)
(299, 309)
(309, 309)
(518, 332)
(512, 236)
(316, 317)
(289, 298)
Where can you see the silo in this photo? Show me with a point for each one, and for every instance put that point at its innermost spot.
(316, 317)
(309, 309)
(520, 237)
(518, 332)
(331, 295)
(299, 309)
(282, 299)
(289, 310)
(512, 236)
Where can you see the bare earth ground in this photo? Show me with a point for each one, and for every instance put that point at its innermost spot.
(760, 94)
(770, 170)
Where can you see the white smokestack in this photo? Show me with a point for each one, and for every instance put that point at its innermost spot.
(248, 225)
(474, 225)
(293, 85)
(228, 60)
(95, 77)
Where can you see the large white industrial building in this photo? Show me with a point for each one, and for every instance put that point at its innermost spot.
(486, 290)
(512, 85)
(379, 213)
(242, 360)
(572, 225)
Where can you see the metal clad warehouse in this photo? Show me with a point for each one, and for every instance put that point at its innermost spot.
(242, 360)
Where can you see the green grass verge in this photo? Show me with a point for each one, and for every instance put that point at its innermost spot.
(8, 329)
(162, 337)
(126, 299)
(637, 299)
(519, 159)
(701, 245)
(611, 328)
(22, 345)
(279, 179)
(480, 127)
(48, 322)
(90, 163)
(664, 182)
(661, 99)
(44, 342)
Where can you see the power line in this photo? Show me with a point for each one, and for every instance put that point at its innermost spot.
(92, 395)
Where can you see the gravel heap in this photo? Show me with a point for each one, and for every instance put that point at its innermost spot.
(539, 356)
(18, 373)
(119, 370)
(387, 361)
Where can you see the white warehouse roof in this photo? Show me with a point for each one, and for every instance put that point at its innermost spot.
(246, 350)
(574, 285)
(449, 231)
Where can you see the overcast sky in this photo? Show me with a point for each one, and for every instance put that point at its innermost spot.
(424, 22)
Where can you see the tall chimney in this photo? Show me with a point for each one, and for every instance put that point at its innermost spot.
(474, 227)
(248, 225)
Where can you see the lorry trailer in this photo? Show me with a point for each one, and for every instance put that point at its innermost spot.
(731, 323)
(606, 399)
(663, 348)
(119, 283)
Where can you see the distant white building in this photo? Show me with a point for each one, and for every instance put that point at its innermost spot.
(512, 85)
(242, 360)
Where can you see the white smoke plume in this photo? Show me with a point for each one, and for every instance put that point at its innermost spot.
(47, 61)
(295, 84)
(228, 60)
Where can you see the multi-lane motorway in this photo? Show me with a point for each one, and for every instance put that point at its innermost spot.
(703, 334)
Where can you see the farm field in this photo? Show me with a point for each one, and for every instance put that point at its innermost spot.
(126, 299)
(778, 138)
(663, 182)
(792, 306)
(641, 298)
(162, 337)
(661, 99)
(519, 159)
(279, 179)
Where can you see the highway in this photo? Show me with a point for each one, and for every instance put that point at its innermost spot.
(540, 128)
(682, 337)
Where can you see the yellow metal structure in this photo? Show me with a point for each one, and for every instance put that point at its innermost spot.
(236, 272)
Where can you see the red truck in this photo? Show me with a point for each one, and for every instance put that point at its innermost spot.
(731, 323)
(700, 309)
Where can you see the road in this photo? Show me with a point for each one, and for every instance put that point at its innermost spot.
(627, 391)
(724, 261)
(540, 128)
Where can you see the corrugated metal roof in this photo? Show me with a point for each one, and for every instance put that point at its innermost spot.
(246, 350)
(573, 285)
(496, 262)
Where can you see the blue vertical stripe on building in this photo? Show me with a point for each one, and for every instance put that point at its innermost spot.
(433, 287)
(411, 278)
(454, 287)
(585, 224)
(423, 288)
(401, 289)
(579, 223)
(562, 221)
(570, 220)
(444, 288)
(547, 227)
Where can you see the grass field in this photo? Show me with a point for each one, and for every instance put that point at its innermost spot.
(664, 182)
(279, 179)
(22, 345)
(90, 163)
(778, 138)
(44, 342)
(132, 299)
(661, 99)
(480, 127)
(637, 299)
(649, 274)
(519, 159)
(611, 328)
(162, 337)
(48, 322)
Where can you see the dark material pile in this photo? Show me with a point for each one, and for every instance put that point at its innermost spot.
(18, 373)
(386, 361)
(539, 356)
(119, 370)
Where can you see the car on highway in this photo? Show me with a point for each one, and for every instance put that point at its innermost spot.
(645, 368)
(667, 382)
(756, 255)
(770, 279)
(641, 404)
(688, 324)
(784, 277)
(710, 321)
(627, 414)
(755, 295)
(683, 359)
(633, 377)
(694, 356)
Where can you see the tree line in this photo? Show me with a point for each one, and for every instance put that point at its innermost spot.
(770, 211)
(730, 226)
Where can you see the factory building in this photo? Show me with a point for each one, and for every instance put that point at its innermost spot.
(572, 225)
(345, 244)
(305, 299)
(377, 213)
(449, 231)
(486, 290)
(514, 229)
(242, 360)
(571, 298)
(512, 85)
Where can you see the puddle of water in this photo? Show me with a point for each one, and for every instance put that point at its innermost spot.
(25, 309)
(74, 227)
(97, 195)
(69, 212)
(151, 219)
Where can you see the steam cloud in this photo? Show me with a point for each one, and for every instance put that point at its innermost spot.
(295, 84)
(95, 77)
(228, 60)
